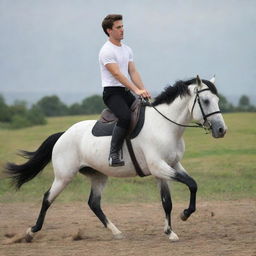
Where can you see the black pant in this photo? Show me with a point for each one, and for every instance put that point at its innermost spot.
(119, 101)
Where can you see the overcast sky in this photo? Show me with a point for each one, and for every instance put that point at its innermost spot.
(51, 46)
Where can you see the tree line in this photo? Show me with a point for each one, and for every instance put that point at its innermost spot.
(244, 105)
(20, 115)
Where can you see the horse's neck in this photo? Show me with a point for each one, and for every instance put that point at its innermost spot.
(177, 111)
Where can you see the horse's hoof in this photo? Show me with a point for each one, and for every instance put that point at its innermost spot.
(29, 236)
(183, 216)
(173, 237)
(167, 231)
(119, 236)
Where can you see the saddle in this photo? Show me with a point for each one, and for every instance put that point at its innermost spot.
(105, 125)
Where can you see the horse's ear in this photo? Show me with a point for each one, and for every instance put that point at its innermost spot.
(198, 81)
(213, 80)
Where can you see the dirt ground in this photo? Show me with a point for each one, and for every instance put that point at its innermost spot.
(217, 229)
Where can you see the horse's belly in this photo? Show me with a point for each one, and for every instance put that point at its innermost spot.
(118, 172)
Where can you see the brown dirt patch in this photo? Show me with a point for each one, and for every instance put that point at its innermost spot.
(217, 228)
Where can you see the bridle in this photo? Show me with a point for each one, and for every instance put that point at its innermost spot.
(197, 98)
(197, 125)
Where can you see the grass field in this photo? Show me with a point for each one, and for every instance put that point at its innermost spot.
(224, 169)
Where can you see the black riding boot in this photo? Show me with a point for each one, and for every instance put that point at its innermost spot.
(118, 137)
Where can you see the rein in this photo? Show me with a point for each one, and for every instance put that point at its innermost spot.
(197, 125)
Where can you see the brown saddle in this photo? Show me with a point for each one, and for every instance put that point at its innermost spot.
(108, 116)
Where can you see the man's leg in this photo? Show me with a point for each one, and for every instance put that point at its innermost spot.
(120, 108)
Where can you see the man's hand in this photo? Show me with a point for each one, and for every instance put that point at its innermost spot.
(143, 93)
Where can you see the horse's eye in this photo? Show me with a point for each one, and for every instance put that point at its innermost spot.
(206, 102)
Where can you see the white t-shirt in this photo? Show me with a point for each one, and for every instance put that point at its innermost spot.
(111, 53)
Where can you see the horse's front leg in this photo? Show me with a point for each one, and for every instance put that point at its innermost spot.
(167, 205)
(183, 177)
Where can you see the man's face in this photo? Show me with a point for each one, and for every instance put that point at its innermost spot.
(117, 31)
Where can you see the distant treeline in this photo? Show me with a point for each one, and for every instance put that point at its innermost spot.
(19, 115)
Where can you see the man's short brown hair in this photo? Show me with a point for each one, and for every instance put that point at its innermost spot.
(109, 21)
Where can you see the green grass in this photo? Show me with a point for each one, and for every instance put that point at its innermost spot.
(223, 168)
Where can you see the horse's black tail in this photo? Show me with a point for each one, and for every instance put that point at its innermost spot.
(37, 160)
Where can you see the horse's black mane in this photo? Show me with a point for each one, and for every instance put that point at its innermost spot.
(180, 88)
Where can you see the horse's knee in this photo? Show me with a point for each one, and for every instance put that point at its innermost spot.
(186, 179)
(193, 186)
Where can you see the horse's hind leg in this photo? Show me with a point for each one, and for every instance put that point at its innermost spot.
(39, 223)
(98, 182)
(167, 205)
(60, 182)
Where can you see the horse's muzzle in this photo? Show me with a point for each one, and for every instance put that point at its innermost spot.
(218, 129)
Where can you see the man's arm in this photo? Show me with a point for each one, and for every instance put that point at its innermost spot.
(135, 77)
(113, 68)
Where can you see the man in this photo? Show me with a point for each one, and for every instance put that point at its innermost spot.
(119, 76)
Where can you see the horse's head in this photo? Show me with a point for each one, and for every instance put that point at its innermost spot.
(204, 106)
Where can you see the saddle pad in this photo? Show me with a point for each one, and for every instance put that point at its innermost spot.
(103, 129)
(106, 129)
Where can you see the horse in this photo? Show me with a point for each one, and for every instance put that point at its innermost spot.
(159, 148)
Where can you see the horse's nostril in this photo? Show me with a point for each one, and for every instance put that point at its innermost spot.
(222, 131)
